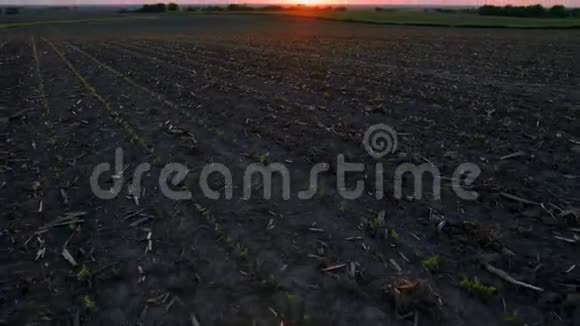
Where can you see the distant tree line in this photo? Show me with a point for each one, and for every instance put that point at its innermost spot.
(162, 7)
(10, 11)
(557, 11)
(158, 7)
(244, 7)
(461, 11)
(383, 9)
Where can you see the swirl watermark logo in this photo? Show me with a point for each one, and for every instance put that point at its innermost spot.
(380, 140)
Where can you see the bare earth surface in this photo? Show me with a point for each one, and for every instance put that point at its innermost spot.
(238, 90)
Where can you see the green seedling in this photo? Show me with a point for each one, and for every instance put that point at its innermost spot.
(262, 158)
(513, 319)
(84, 273)
(342, 208)
(377, 223)
(476, 288)
(431, 264)
(89, 303)
(244, 253)
(393, 234)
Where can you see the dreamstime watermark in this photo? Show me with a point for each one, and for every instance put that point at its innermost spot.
(379, 140)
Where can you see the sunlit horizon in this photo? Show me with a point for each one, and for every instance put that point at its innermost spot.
(547, 3)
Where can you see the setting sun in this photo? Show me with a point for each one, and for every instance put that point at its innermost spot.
(311, 2)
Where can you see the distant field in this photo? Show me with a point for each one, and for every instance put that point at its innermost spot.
(421, 18)
(29, 21)
(396, 17)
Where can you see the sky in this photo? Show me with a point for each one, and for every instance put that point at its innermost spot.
(568, 3)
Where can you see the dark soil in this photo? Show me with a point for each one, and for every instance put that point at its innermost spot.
(240, 90)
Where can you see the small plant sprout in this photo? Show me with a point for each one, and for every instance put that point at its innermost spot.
(513, 319)
(431, 264)
(262, 158)
(89, 303)
(393, 234)
(476, 288)
(376, 223)
(244, 253)
(84, 273)
(342, 208)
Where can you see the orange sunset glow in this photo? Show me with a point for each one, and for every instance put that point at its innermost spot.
(568, 3)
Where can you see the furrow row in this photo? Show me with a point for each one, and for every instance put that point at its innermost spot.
(164, 216)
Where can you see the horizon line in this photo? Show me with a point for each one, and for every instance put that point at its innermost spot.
(277, 3)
